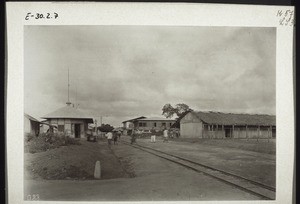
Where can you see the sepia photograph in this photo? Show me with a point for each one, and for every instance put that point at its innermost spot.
(152, 112)
(120, 108)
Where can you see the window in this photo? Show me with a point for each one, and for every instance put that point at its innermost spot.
(154, 124)
(273, 132)
(163, 124)
(142, 124)
(264, 128)
(61, 128)
(205, 127)
(170, 124)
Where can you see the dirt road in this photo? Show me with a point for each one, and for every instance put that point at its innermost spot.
(155, 179)
(256, 166)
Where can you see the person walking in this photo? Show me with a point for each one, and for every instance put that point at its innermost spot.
(119, 134)
(133, 136)
(109, 136)
(165, 132)
(115, 137)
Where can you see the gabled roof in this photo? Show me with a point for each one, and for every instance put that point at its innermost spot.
(177, 122)
(70, 113)
(31, 118)
(219, 118)
(157, 119)
(134, 119)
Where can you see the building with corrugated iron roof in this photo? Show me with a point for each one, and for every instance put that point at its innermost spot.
(227, 125)
(129, 124)
(69, 120)
(148, 123)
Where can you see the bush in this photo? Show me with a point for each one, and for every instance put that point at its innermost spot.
(29, 136)
(46, 141)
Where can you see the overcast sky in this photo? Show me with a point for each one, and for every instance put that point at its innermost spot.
(127, 71)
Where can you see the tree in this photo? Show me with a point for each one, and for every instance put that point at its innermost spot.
(182, 108)
(168, 110)
(105, 128)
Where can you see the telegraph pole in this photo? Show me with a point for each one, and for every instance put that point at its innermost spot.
(68, 103)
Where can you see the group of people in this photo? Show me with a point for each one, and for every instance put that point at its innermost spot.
(113, 136)
(153, 135)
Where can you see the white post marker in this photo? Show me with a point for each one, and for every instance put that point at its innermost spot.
(97, 173)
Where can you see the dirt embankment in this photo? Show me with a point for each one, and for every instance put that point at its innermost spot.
(74, 162)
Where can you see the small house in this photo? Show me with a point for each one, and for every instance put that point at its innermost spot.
(69, 120)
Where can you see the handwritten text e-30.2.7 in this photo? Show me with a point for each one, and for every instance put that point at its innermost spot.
(30, 15)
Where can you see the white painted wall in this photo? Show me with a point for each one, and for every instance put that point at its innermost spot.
(190, 126)
(27, 125)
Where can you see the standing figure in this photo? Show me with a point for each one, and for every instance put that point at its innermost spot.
(153, 136)
(115, 137)
(119, 134)
(109, 136)
(133, 136)
(165, 135)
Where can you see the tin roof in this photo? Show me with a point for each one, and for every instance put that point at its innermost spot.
(131, 120)
(31, 118)
(157, 119)
(235, 119)
(70, 113)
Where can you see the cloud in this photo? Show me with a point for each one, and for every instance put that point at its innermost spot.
(127, 71)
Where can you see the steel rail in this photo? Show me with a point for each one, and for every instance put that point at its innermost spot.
(143, 148)
(212, 168)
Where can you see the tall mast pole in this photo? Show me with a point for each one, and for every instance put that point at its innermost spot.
(68, 103)
(68, 86)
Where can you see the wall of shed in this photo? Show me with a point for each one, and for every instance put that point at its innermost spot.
(191, 130)
(69, 126)
(214, 134)
(27, 126)
(191, 127)
(256, 132)
(31, 127)
(241, 133)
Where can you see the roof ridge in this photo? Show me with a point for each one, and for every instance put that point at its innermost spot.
(68, 112)
(211, 117)
(241, 113)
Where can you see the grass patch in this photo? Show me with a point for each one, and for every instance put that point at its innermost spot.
(76, 162)
(47, 141)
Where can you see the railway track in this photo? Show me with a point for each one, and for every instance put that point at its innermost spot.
(253, 187)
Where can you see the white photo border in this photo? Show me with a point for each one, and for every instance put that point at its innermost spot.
(164, 14)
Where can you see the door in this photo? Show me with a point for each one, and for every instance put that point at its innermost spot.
(227, 132)
(77, 130)
(273, 133)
